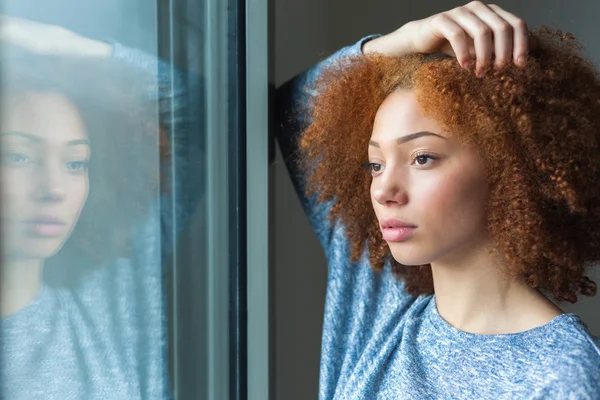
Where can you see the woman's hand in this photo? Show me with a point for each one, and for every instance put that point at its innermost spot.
(44, 39)
(475, 32)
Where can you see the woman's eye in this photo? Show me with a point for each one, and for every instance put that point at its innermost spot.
(77, 166)
(422, 159)
(15, 159)
(373, 168)
(376, 167)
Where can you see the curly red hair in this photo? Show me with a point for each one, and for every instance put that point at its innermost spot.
(536, 127)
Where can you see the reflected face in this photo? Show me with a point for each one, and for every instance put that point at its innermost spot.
(428, 191)
(44, 157)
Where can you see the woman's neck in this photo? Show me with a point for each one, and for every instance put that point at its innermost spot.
(20, 283)
(473, 294)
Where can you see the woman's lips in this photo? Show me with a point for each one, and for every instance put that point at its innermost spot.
(395, 230)
(397, 234)
(45, 229)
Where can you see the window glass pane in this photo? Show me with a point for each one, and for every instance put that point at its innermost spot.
(119, 200)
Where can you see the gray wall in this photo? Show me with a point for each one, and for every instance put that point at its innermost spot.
(306, 31)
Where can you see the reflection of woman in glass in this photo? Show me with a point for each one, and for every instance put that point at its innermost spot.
(82, 311)
(479, 194)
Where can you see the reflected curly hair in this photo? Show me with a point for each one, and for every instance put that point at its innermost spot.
(536, 127)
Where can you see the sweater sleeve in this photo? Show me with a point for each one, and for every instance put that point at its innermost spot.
(292, 104)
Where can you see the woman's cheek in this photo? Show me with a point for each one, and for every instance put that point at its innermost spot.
(14, 190)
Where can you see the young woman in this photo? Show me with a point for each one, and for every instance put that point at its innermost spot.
(452, 200)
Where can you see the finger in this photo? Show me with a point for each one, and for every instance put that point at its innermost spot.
(447, 48)
(502, 32)
(456, 36)
(520, 34)
(479, 31)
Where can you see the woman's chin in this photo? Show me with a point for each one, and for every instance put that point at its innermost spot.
(407, 256)
(39, 250)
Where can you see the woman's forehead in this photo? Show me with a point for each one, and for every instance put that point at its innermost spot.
(50, 117)
(399, 115)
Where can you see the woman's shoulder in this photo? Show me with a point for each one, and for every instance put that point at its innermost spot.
(572, 333)
(575, 373)
(575, 355)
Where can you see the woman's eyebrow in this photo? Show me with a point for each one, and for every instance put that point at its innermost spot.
(408, 138)
(25, 135)
(37, 139)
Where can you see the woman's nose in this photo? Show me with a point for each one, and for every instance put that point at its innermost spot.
(50, 183)
(389, 189)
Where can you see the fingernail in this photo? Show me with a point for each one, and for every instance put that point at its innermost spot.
(468, 64)
(522, 60)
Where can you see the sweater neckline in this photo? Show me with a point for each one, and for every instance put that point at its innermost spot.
(444, 327)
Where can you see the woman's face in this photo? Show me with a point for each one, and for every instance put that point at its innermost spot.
(45, 153)
(428, 191)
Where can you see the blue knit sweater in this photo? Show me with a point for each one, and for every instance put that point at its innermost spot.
(379, 342)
